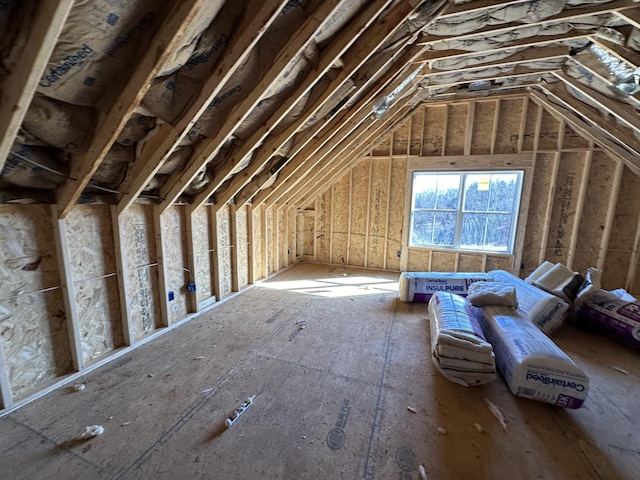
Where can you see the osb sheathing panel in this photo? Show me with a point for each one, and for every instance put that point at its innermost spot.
(293, 253)
(549, 129)
(530, 134)
(417, 125)
(443, 261)
(92, 264)
(435, 118)
(242, 247)
(596, 204)
(308, 226)
(509, 125)
(625, 224)
(383, 147)
(563, 224)
(571, 139)
(176, 264)
(139, 249)
(359, 210)
(378, 213)
(499, 262)
(323, 227)
(224, 251)
(258, 243)
(282, 237)
(470, 262)
(340, 219)
(201, 253)
(33, 330)
(396, 212)
(418, 260)
(401, 138)
(270, 240)
(456, 129)
(482, 131)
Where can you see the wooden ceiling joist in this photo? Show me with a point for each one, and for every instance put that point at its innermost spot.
(250, 30)
(19, 87)
(112, 121)
(210, 147)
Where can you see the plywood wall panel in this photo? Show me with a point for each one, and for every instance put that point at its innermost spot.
(356, 250)
(92, 263)
(224, 251)
(434, 130)
(456, 129)
(382, 147)
(549, 130)
(339, 249)
(142, 269)
(571, 139)
(201, 253)
(530, 126)
(470, 262)
(509, 126)
(482, 131)
(417, 125)
(564, 222)
(258, 243)
(242, 247)
(419, 260)
(176, 262)
(270, 240)
(377, 228)
(499, 262)
(401, 138)
(394, 248)
(307, 244)
(625, 224)
(33, 331)
(443, 261)
(536, 229)
(596, 200)
(340, 217)
(323, 227)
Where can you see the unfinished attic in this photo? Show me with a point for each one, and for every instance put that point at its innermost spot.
(205, 207)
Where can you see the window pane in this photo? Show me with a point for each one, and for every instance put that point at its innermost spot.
(498, 232)
(503, 192)
(424, 191)
(486, 231)
(474, 227)
(448, 192)
(476, 192)
(444, 228)
(422, 230)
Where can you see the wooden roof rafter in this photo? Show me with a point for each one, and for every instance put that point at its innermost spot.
(250, 30)
(210, 147)
(112, 120)
(362, 49)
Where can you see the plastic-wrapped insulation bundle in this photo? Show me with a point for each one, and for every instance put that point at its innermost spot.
(458, 347)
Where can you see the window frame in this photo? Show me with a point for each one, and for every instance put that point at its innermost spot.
(460, 211)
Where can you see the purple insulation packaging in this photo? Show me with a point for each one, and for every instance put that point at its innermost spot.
(613, 316)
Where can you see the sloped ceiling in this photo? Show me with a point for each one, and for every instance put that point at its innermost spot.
(207, 101)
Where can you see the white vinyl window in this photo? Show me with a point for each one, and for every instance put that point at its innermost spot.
(472, 210)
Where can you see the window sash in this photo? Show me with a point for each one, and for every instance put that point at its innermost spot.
(495, 217)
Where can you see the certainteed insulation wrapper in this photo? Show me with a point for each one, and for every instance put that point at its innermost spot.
(612, 315)
(458, 347)
(532, 365)
(419, 286)
(546, 311)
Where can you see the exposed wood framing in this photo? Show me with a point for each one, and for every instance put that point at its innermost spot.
(68, 290)
(210, 147)
(233, 239)
(19, 87)
(161, 255)
(363, 46)
(112, 120)
(253, 241)
(192, 297)
(579, 208)
(6, 398)
(609, 219)
(633, 259)
(250, 28)
(122, 276)
(215, 253)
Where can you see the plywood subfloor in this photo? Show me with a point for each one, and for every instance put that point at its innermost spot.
(332, 400)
